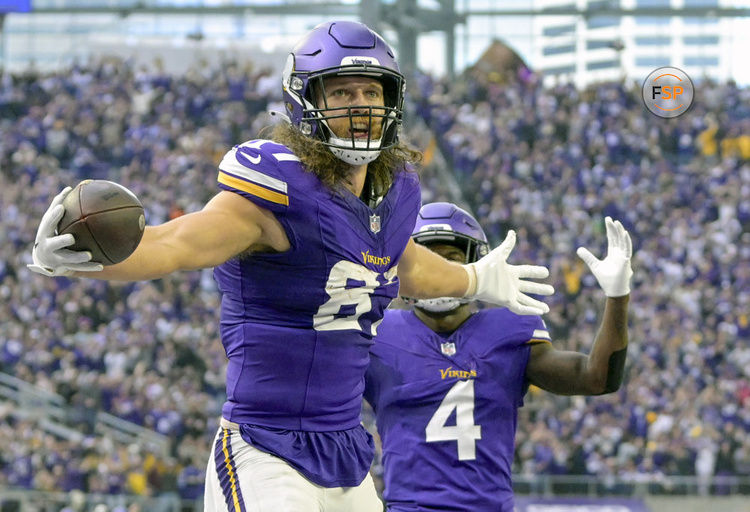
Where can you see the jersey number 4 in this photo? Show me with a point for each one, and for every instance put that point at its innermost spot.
(461, 399)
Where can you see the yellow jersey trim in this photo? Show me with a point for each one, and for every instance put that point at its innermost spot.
(253, 189)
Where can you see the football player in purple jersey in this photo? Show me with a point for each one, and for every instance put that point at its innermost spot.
(446, 380)
(309, 237)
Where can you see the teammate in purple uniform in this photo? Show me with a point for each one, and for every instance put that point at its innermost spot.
(310, 240)
(446, 381)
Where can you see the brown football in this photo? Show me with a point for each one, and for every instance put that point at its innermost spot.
(104, 218)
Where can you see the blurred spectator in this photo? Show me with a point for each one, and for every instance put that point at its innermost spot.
(557, 158)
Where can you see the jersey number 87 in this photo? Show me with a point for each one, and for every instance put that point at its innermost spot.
(350, 285)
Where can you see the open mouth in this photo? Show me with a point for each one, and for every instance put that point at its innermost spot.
(359, 132)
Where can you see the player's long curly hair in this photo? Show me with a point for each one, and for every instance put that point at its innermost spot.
(332, 171)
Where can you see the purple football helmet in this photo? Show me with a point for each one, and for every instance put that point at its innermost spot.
(446, 223)
(343, 48)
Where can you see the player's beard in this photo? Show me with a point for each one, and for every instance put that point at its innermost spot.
(332, 171)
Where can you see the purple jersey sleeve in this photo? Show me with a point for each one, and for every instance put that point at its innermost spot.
(446, 408)
(256, 170)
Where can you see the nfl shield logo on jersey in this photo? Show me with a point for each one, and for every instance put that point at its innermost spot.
(375, 223)
(448, 348)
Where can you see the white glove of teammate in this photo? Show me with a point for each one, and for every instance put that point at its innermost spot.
(613, 272)
(49, 254)
(499, 283)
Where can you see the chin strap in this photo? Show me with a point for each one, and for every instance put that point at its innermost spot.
(282, 116)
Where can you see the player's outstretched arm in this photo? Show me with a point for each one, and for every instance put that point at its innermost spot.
(573, 373)
(228, 225)
(424, 274)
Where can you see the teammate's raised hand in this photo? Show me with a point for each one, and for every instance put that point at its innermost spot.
(49, 254)
(503, 284)
(613, 272)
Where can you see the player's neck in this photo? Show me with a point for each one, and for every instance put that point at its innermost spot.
(355, 181)
(445, 322)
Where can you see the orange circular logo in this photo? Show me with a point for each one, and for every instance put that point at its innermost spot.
(667, 92)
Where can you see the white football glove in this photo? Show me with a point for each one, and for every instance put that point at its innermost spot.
(613, 272)
(49, 254)
(499, 283)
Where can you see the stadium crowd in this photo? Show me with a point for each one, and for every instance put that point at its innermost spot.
(556, 160)
(547, 161)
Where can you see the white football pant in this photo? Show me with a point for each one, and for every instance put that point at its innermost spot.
(241, 478)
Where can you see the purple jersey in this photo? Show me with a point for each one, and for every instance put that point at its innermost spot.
(447, 406)
(297, 326)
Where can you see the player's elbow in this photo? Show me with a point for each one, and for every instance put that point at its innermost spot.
(598, 385)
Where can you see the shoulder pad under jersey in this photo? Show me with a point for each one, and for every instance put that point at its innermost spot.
(260, 171)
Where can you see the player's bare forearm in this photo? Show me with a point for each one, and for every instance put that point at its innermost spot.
(574, 373)
(141, 265)
(606, 363)
(197, 240)
(424, 274)
(158, 254)
(161, 251)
